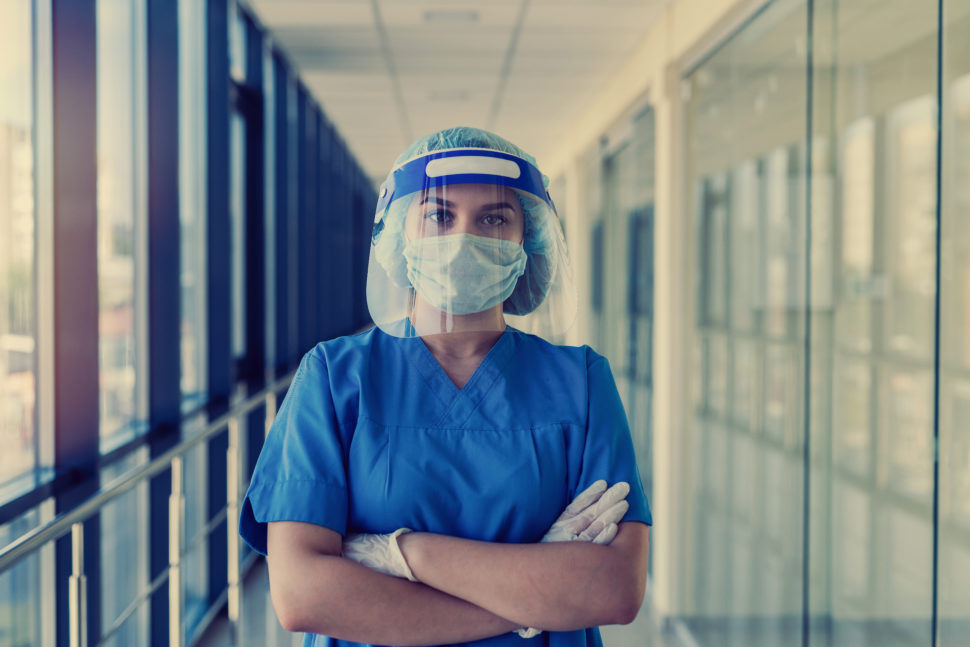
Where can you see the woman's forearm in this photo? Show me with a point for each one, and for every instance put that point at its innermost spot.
(331, 595)
(317, 591)
(554, 586)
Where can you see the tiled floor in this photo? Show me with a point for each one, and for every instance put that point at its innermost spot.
(261, 629)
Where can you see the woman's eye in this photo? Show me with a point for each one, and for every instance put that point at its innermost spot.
(493, 220)
(437, 216)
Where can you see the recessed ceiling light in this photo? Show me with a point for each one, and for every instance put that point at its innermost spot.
(452, 16)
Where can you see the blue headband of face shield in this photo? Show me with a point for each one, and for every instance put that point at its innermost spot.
(459, 166)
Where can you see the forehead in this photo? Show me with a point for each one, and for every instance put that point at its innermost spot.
(477, 193)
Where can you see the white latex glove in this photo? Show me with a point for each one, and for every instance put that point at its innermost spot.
(379, 552)
(592, 516)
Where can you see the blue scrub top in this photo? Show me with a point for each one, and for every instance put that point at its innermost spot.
(374, 436)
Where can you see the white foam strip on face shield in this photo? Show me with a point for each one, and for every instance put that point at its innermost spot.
(467, 164)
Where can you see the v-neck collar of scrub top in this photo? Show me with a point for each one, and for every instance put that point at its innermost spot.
(458, 404)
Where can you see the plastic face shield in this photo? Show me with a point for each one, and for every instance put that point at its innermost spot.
(468, 240)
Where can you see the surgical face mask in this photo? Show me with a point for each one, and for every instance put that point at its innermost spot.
(462, 273)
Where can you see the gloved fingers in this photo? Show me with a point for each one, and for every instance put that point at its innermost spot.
(528, 632)
(606, 535)
(618, 492)
(584, 499)
(611, 515)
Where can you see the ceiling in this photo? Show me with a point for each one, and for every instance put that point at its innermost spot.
(389, 71)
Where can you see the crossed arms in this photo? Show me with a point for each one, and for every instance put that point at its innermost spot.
(467, 590)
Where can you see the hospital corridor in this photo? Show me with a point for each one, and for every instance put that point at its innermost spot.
(561, 323)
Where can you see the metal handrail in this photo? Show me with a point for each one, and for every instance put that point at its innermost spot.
(72, 520)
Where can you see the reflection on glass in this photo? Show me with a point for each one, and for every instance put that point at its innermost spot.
(17, 251)
(873, 511)
(717, 375)
(780, 399)
(860, 286)
(851, 557)
(745, 190)
(119, 208)
(196, 541)
(192, 198)
(908, 420)
(782, 237)
(911, 256)
(124, 545)
(852, 425)
(713, 227)
(954, 432)
(744, 382)
(20, 589)
(745, 258)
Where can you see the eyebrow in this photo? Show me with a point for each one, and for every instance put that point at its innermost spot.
(448, 203)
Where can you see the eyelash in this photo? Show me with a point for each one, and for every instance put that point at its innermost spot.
(440, 217)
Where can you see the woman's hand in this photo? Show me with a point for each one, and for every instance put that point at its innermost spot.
(379, 552)
(593, 515)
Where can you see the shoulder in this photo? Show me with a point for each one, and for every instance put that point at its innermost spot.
(556, 356)
(340, 352)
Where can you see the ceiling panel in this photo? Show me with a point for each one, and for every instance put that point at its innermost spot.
(387, 71)
(312, 13)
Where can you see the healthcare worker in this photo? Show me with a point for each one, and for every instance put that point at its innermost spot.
(442, 477)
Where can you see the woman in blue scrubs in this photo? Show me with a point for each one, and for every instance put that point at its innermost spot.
(416, 485)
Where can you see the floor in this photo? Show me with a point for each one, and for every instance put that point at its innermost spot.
(261, 629)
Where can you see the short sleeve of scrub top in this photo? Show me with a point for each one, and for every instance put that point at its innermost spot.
(300, 473)
(373, 436)
(608, 453)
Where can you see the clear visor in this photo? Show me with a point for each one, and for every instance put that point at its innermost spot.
(458, 249)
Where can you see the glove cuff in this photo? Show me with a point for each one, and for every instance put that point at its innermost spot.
(398, 555)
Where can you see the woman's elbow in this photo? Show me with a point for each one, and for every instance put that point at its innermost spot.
(627, 608)
(630, 575)
(624, 604)
(289, 612)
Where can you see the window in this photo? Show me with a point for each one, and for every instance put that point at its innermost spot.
(18, 324)
(192, 199)
(122, 210)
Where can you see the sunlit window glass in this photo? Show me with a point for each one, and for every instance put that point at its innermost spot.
(20, 587)
(18, 330)
(192, 198)
(124, 572)
(120, 207)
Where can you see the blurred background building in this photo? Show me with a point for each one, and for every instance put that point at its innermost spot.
(767, 206)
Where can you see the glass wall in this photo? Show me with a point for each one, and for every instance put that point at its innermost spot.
(622, 266)
(875, 132)
(103, 63)
(825, 190)
(954, 376)
(20, 609)
(18, 327)
(742, 474)
(124, 570)
(121, 211)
